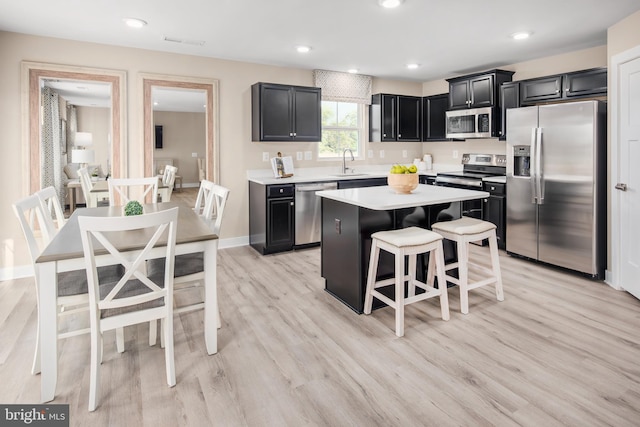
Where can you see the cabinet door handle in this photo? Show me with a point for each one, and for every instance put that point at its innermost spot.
(620, 186)
(295, 134)
(399, 136)
(290, 133)
(384, 134)
(291, 203)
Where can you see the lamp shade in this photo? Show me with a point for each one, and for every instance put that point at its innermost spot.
(82, 156)
(83, 139)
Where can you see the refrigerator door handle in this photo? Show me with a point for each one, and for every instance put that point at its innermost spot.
(533, 168)
(539, 172)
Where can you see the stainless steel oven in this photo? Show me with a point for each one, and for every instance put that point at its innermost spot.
(475, 167)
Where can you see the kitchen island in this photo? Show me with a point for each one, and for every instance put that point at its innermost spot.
(350, 216)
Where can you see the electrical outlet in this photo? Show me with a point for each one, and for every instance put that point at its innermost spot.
(455, 154)
(308, 155)
(404, 153)
(194, 154)
(370, 154)
(382, 154)
(298, 155)
(265, 156)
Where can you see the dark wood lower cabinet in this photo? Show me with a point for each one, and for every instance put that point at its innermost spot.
(495, 210)
(271, 217)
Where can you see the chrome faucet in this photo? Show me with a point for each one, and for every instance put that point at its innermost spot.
(344, 159)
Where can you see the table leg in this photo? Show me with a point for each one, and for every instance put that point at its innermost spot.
(47, 294)
(72, 199)
(211, 296)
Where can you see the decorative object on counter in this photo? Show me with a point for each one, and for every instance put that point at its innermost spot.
(403, 179)
(428, 161)
(133, 208)
(422, 166)
(282, 166)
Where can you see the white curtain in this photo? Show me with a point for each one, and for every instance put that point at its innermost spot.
(51, 152)
(343, 87)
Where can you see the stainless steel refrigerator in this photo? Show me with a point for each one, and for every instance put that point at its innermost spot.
(556, 185)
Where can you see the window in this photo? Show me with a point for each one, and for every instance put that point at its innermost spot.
(341, 129)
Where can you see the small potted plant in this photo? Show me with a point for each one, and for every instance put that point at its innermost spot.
(133, 208)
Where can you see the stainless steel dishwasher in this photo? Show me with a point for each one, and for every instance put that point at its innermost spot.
(308, 214)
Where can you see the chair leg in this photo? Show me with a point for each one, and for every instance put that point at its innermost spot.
(167, 327)
(399, 300)
(412, 275)
(371, 276)
(120, 340)
(96, 359)
(153, 332)
(218, 318)
(495, 263)
(35, 367)
(438, 262)
(463, 274)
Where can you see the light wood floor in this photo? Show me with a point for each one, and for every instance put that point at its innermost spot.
(560, 350)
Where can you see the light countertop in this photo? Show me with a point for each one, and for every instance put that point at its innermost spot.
(265, 176)
(384, 198)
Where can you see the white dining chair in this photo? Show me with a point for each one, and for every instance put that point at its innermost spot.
(168, 180)
(72, 286)
(87, 185)
(52, 209)
(122, 188)
(136, 297)
(189, 268)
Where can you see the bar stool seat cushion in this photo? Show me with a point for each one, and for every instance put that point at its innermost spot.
(464, 226)
(410, 236)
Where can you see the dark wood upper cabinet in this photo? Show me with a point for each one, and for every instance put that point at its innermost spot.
(395, 118)
(578, 84)
(434, 118)
(285, 113)
(541, 89)
(477, 90)
(509, 98)
(586, 83)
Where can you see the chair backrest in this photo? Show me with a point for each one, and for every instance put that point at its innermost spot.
(54, 217)
(31, 218)
(219, 199)
(204, 197)
(122, 187)
(169, 176)
(158, 230)
(85, 182)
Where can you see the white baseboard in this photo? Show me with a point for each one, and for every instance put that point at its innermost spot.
(610, 280)
(20, 271)
(16, 272)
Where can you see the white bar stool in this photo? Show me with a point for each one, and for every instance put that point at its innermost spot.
(407, 242)
(463, 231)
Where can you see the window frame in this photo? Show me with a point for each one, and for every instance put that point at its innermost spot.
(359, 128)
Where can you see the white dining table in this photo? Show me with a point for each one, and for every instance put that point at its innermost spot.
(65, 253)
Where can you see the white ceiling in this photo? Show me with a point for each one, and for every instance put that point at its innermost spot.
(446, 37)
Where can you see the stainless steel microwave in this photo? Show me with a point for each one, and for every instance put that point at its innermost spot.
(471, 123)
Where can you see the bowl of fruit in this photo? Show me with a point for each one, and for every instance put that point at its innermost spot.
(403, 179)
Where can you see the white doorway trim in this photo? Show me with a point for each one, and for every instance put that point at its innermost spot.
(617, 61)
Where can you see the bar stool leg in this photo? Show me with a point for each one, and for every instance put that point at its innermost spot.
(495, 264)
(411, 291)
(438, 263)
(399, 283)
(463, 273)
(371, 275)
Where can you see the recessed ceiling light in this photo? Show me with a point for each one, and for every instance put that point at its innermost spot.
(155, 103)
(390, 4)
(412, 66)
(303, 49)
(520, 36)
(352, 70)
(135, 22)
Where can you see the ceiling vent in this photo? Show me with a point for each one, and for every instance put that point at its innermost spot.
(183, 41)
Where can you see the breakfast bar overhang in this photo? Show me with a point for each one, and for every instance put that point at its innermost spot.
(350, 216)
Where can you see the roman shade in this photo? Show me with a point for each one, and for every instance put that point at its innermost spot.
(343, 87)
